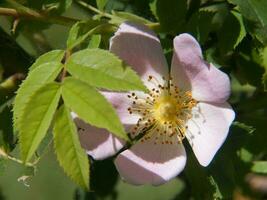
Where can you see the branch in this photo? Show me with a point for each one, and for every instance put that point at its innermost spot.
(4, 155)
(95, 10)
(34, 15)
(153, 25)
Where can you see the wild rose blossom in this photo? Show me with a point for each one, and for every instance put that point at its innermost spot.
(189, 101)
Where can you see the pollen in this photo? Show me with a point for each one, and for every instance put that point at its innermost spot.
(164, 112)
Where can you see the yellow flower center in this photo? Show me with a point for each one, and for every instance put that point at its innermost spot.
(163, 112)
(165, 109)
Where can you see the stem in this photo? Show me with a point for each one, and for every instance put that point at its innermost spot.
(11, 83)
(88, 6)
(64, 71)
(154, 26)
(34, 15)
(6, 156)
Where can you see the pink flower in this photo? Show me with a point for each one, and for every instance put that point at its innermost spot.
(191, 104)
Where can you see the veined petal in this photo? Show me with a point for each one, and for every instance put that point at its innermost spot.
(208, 129)
(140, 48)
(191, 72)
(147, 163)
(98, 143)
(121, 103)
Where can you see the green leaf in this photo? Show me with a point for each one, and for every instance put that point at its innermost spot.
(44, 145)
(221, 11)
(264, 63)
(51, 56)
(101, 4)
(245, 127)
(153, 8)
(91, 106)
(199, 25)
(254, 11)
(6, 129)
(264, 57)
(264, 80)
(95, 41)
(248, 71)
(171, 14)
(102, 69)
(78, 30)
(198, 179)
(54, 6)
(259, 167)
(36, 118)
(120, 17)
(231, 32)
(68, 149)
(242, 32)
(81, 31)
(46, 72)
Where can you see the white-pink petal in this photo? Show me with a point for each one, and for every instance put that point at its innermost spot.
(190, 72)
(98, 143)
(208, 129)
(121, 103)
(139, 47)
(147, 163)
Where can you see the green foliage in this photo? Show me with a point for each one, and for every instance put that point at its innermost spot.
(171, 14)
(249, 71)
(69, 152)
(55, 6)
(51, 56)
(198, 176)
(103, 69)
(199, 25)
(248, 129)
(264, 63)
(255, 14)
(265, 81)
(36, 118)
(91, 106)
(260, 167)
(120, 17)
(79, 32)
(6, 128)
(39, 76)
(228, 40)
(101, 4)
(83, 30)
(94, 41)
(242, 32)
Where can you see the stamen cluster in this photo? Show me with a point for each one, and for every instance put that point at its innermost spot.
(163, 112)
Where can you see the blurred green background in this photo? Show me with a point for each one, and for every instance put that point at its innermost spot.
(50, 183)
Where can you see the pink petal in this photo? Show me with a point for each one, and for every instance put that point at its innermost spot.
(208, 129)
(190, 72)
(121, 103)
(97, 142)
(140, 48)
(147, 163)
